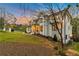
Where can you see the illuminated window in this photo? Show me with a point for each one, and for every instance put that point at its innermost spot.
(41, 28)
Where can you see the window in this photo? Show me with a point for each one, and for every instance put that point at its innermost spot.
(54, 26)
(41, 28)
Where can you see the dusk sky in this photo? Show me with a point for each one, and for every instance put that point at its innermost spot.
(17, 8)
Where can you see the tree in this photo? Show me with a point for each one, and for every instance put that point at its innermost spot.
(61, 18)
(10, 21)
(1, 23)
(74, 10)
(62, 13)
(75, 24)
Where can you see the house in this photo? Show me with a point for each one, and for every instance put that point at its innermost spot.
(47, 27)
(24, 21)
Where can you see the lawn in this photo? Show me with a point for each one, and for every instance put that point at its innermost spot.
(19, 37)
(19, 43)
(75, 46)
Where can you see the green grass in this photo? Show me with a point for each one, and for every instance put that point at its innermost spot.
(19, 37)
(75, 46)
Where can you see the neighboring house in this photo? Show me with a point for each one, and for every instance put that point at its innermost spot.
(25, 21)
(47, 27)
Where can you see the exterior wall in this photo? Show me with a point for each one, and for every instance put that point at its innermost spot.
(67, 30)
(47, 28)
(36, 29)
(57, 34)
(44, 29)
(48, 31)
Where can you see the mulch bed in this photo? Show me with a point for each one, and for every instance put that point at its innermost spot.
(23, 49)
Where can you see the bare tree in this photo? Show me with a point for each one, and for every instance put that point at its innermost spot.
(54, 13)
(61, 18)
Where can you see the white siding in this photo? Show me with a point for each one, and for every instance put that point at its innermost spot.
(67, 30)
(50, 30)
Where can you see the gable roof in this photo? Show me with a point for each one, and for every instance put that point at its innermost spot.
(23, 20)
